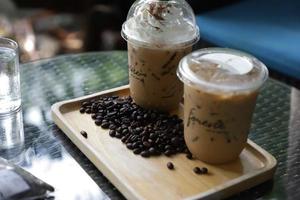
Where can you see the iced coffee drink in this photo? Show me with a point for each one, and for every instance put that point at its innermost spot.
(220, 91)
(159, 34)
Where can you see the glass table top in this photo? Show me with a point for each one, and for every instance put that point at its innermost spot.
(47, 153)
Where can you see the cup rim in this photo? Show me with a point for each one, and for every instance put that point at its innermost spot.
(13, 44)
(214, 87)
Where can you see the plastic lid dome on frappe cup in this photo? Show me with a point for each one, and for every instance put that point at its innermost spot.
(222, 70)
(161, 24)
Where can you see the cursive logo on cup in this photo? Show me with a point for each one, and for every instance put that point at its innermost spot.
(192, 119)
(137, 74)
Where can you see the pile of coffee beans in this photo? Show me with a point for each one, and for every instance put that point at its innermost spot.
(144, 131)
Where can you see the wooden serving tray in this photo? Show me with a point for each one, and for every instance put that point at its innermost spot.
(149, 178)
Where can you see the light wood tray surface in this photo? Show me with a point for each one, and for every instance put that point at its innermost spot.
(149, 178)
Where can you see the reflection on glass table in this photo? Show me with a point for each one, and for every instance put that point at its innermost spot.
(45, 158)
(11, 134)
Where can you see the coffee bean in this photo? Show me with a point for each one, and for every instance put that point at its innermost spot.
(123, 139)
(136, 151)
(144, 138)
(152, 151)
(135, 145)
(157, 141)
(133, 115)
(112, 133)
(82, 110)
(118, 135)
(204, 170)
(99, 117)
(197, 170)
(122, 110)
(145, 154)
(175, 140)
(112, 127)
(134, 138)
(168, 153)
(138, 129)
(84, 134)
(152, 135)
(168, 147)
(119, 129)
(125, 131)
(104, 121)
(112, 114)
(129, 145)
(88, 111)
(146, 144)
(104, 125)
(98, 122)
(170, 165)
(189, 156)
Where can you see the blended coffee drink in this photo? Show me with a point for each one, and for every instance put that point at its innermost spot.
(159, 34)
(221, 87)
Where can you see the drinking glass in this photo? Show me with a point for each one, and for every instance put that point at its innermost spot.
(11, 131)
(10, 95)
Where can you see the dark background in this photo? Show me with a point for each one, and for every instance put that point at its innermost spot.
(45, 28)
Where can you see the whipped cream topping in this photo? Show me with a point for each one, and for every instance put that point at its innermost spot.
(161, 24)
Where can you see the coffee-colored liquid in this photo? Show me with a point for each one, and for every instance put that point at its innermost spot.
(216, 125)
(152, 76)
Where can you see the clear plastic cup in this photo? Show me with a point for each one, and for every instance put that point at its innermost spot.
(220, 91)
(159, 34)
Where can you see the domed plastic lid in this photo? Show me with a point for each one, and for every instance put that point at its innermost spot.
(222, 70)
(161, 24)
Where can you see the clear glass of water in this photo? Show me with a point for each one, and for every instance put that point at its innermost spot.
(10, 94)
